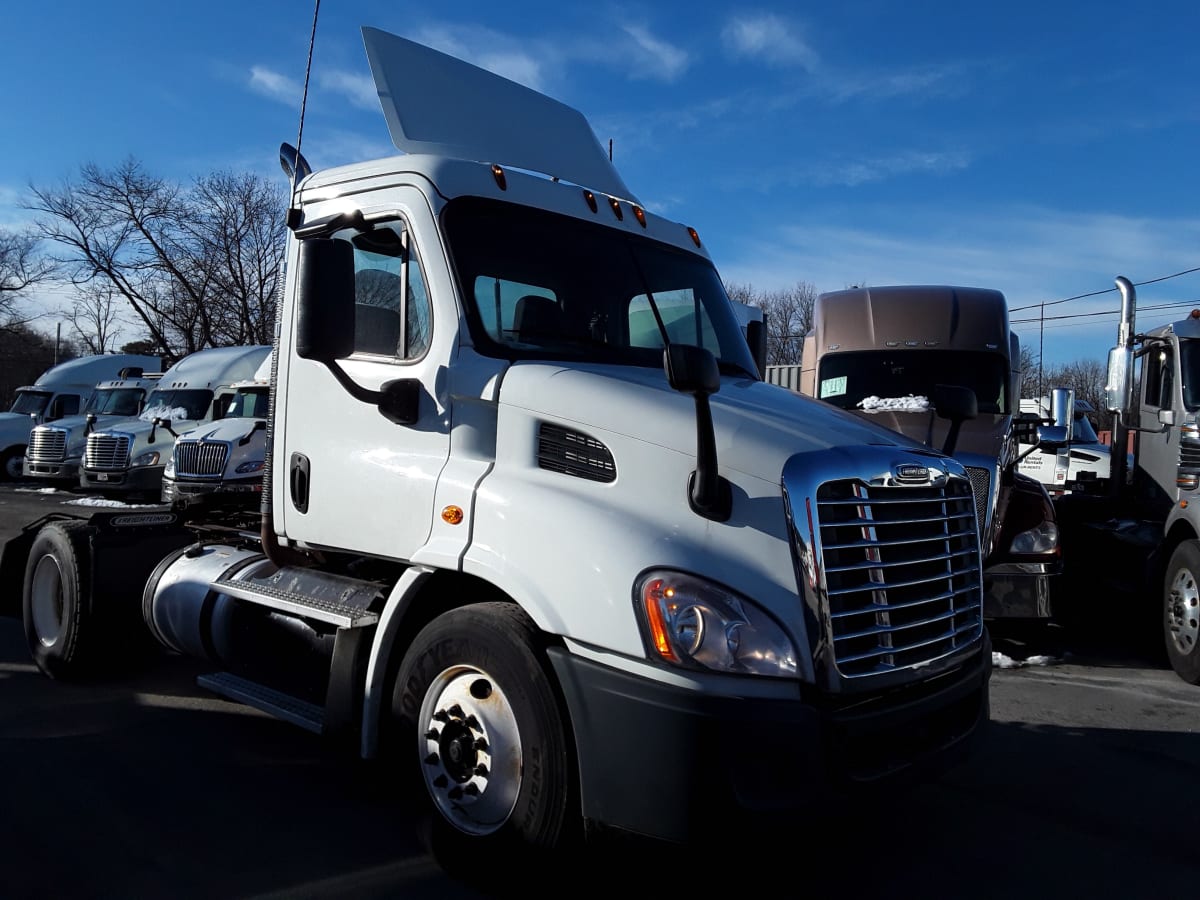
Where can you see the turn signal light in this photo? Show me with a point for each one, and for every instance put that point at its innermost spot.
(452, 515)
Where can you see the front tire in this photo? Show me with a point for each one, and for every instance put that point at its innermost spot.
(11, 464)
(57, 600)
(478, 717)
(1181, 611)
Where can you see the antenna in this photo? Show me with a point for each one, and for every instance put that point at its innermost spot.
(295, 166)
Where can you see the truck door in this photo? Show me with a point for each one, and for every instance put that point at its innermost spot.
(1158, 451)
(352, 478)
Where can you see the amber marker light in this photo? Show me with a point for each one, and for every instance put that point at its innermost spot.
(654, 615)
(695, 236)
(640, 215)
(452, 515)
(616, 208)
(591, 200)
(498, 174)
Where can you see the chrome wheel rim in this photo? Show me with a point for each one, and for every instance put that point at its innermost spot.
(470, 750)
(1183, 613)
(46, 601)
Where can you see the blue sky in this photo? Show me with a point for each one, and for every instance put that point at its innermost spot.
(1037, 148)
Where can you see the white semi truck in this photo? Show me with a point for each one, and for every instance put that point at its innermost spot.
(1139, 544)
(55, 451)
(222, 462)
(128, 456)
(1082, 464)
(533, 530)
(60, 391)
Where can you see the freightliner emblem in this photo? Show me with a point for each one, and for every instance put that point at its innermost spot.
(911, 473)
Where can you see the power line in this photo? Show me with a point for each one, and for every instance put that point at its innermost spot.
(1183, 304)
(1106, 291)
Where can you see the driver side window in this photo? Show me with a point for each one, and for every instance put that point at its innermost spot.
(392, 311)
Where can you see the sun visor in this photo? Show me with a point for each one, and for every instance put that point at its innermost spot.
(437, 104)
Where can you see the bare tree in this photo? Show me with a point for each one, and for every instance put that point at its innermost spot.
(1031, 370)
(21, 268)
(789, 317)
(1087, 377)
(197, 267)
(94, 317)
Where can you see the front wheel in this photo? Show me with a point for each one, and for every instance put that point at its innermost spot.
(478, 717)
(11, 463)
(1181, 611)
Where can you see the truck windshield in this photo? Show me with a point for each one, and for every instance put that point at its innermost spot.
(249, 403)
(28, 402)
(848, 379)
(177, 405)
(540, 285)
(1189, 364)
(116, 402)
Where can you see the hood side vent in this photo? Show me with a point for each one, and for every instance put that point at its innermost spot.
(574, 453)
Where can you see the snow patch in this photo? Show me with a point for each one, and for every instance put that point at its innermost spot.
(45, 490)
(909, 403)
(1000, 661)
(175, 414)
(99, 501)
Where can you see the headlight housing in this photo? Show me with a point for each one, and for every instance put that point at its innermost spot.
(694, 623)
(250, 467)
(149, 458)
(1042, 538)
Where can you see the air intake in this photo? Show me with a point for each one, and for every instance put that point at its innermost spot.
(574, 453)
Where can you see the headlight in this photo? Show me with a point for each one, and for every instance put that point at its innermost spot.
(250, 467)
(149, 458)
(693, 623)
(1041, 539)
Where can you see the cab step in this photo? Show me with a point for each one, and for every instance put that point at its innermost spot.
(275, 703)
(335, 599)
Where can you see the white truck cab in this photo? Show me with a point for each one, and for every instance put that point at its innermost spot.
(1083, 464)
(128, 456)
(55, 450)
(59, 392)
(533, 530)
(222, 462)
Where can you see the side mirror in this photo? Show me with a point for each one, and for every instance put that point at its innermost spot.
(756, 338)
(1118, 391)
(1062, 409)
(325, 300)
(1051, 437)
(692, 370)
(956, 403)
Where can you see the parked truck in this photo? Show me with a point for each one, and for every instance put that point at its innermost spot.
(1082, 464)
(128, 457)
(533, 530)
(221, 462)
(61, 391)
(887, 352)
(54, 454)
(1146, 530)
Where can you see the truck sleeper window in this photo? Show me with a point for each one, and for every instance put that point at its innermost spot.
(540, 285)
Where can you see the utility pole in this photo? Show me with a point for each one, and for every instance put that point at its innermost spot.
(57, 339)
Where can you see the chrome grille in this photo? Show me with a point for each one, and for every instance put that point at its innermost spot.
(902, 573)
(106, 451)
(200, 459)
(981, 487)
(47, 445)
(1189, 455)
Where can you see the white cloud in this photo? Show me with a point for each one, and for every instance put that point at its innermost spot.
(274, 85)
(359, 89)
(488, 49)
(655, 57)
(769, 38)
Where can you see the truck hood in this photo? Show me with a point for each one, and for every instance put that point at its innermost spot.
(14, 429)
(235, 430)
(139, 432)
(758, 426)
(980, 440)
